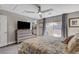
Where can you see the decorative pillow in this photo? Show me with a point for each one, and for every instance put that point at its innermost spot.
(66, 41)
(73, 43)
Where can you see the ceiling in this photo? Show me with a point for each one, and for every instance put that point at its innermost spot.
(57, 9)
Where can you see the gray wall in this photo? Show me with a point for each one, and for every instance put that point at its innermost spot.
(72, 30)
(54, 19)
(12, 19)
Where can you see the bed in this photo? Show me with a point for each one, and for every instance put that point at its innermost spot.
(43, 45)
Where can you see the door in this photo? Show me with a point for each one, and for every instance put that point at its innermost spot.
(3, 30)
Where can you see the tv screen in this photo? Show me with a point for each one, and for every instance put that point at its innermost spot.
(23, 25)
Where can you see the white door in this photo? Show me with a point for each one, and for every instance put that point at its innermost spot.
(3, 30)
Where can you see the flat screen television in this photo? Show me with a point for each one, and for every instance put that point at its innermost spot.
(23, 25)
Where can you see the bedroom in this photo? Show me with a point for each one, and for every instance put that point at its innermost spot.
(51, 28)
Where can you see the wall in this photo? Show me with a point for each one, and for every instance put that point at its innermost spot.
(54, 19)
(40, 27)
(12, 19)
(72, 30)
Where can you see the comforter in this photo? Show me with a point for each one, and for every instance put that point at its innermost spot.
(42, 45)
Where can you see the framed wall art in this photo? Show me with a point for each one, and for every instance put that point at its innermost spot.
(74, 22)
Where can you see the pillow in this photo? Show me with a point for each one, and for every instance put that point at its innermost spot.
(66, 41)
(73, 43)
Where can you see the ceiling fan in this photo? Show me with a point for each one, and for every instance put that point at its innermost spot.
(39, 10)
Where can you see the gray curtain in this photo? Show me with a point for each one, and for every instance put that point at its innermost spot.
(44, 22)
(64, 25)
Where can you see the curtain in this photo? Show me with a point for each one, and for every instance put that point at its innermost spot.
(64, 25)
(44, 22)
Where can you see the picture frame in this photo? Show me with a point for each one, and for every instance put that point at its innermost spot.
(74, 22)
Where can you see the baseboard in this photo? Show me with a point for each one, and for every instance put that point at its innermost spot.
(11, 43)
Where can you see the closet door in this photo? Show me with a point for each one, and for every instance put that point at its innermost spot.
(3, 30)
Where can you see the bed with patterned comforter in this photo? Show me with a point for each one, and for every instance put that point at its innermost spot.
(42, 45)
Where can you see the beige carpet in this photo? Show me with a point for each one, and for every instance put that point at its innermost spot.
(11, 49)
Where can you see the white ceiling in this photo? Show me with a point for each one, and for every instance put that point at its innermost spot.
(57, 9)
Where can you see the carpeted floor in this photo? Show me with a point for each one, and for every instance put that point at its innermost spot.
(11, 49)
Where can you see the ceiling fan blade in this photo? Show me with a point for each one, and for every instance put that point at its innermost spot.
(29, 11)
(39, 10)
(46, 10)
(14, 7)
(38, 7)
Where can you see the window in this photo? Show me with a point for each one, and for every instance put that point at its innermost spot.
(53, 29)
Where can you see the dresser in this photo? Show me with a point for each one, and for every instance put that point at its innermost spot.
(22, 35)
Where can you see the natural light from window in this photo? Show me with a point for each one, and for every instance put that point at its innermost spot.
(53, 29)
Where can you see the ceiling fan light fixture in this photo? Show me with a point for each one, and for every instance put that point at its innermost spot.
(39, 13)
